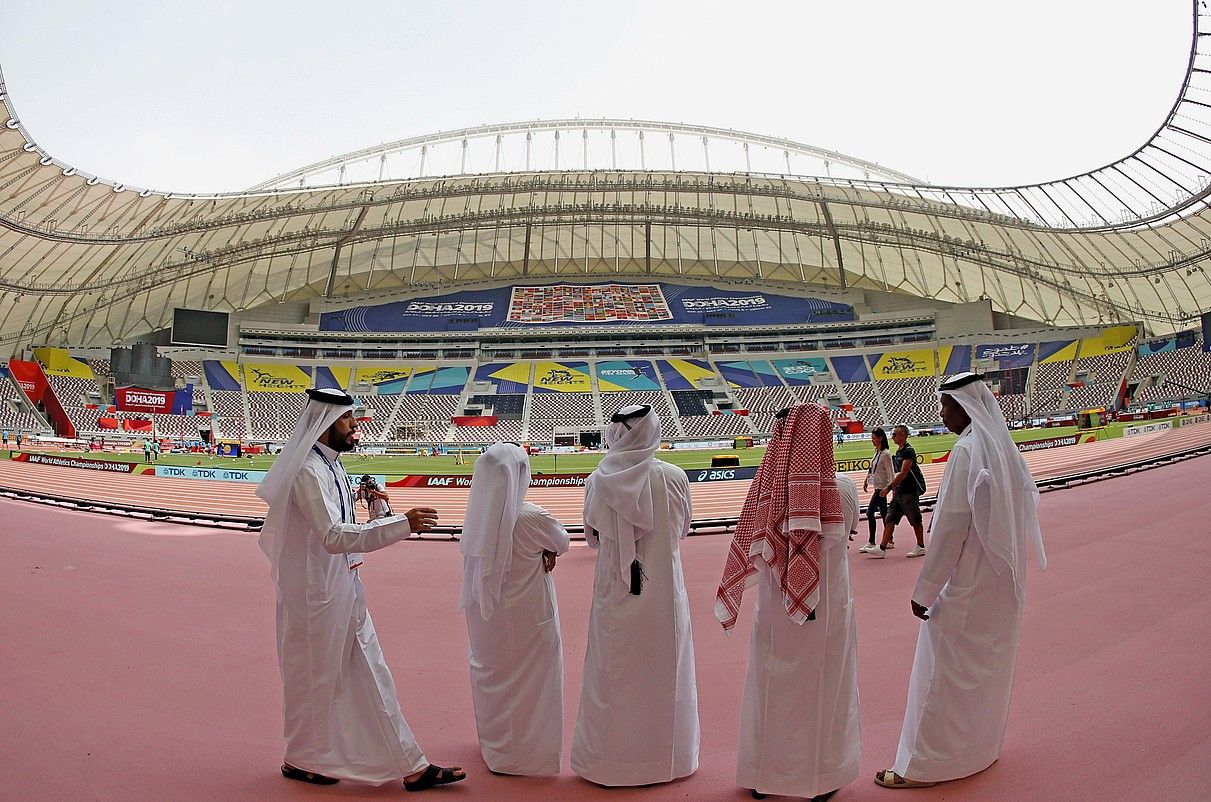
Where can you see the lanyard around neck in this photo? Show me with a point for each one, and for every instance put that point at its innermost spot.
(341, 488)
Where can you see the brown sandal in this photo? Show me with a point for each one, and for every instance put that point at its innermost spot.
(889, 779)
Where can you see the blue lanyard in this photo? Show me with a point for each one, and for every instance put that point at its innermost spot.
(340, 490)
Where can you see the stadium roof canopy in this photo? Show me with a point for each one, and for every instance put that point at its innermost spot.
(88, 261)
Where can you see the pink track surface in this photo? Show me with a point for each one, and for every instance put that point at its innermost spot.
(711, 499)
(138, 659)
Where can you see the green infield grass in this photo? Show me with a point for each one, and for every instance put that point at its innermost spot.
(398, 465)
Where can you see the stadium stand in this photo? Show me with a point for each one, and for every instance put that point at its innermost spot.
(708, 426)
(909, 401)
(764, 399)
(272, 416)
(1049, 382)
(1168, 373)
(1102, 378)
(15, 413)
(691, 403)
(229, 417)
(864, 396)
(658, 401)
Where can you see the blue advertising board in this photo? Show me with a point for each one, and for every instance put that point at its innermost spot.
(1009, 355)
(614, 304)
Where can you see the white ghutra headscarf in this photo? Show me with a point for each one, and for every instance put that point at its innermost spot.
(323, 409)
(498, 489)
(618, 495)
(1003, 496)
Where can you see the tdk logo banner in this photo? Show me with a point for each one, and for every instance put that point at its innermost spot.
(210, 474)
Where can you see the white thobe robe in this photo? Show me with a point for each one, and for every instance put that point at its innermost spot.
(342, 718)
(799, 730)
(962, 674)
(638, 718)
(516, 657)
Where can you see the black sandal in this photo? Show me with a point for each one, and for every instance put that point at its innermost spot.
(291, 773)
(433, 775)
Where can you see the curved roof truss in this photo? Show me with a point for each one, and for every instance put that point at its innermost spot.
(667, 141)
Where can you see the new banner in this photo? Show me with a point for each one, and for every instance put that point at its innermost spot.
(904, 364)
(562, 377)
(276, 378)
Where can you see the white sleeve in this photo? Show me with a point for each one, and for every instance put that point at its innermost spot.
(680, 500)
(342, 538)
(541, 529)
(590, 533)
(949, 528)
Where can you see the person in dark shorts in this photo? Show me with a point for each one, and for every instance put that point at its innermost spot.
(878, 477)
(906, 487)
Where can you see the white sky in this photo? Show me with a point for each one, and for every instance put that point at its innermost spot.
(201, 95)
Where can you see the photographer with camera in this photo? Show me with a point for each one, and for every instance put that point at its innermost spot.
(377, 503)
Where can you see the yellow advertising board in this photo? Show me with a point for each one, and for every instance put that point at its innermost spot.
(339, 375)
(906, 364)
(518, 372)
(1111, 341)
(378, 376)
(561, 378)
(58, 362)
(693, 373)
(275, 379)
(1065, 354)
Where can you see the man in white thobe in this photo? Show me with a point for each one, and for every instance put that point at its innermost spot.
(342, 718)
(638, 718)
(799, 724)
(969, 595)
(509, 548)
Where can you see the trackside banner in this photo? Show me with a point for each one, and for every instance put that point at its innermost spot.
(1147, 428)
(235, 474)
(75, 462)
(464, 481)
(210, 474)
(570, 479)
(1054, 442)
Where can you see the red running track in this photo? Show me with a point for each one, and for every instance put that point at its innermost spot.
(711, 500)
(138, 660)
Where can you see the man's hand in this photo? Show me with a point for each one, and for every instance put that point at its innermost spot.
(421, 519)
(548, 560)
(920, 612)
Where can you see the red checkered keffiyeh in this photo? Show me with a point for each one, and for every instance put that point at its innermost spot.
(792, 499)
